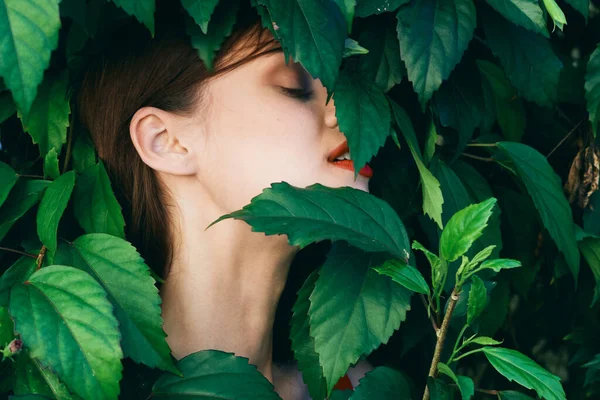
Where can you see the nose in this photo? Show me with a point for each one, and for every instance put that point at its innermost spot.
(330, 118)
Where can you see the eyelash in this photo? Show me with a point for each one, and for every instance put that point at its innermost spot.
(301, 94)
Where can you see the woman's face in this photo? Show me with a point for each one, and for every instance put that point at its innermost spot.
(257, 132)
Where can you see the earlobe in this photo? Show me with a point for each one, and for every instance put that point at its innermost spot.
(155, 136)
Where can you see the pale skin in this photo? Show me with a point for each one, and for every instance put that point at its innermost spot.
(225, 282)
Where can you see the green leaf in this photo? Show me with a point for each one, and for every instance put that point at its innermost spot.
(319, 212)
(526, 13)
(7, 106)
(53, 204)
(313, 32)
(499, 264)
(439, 269)
(207, 44)
(32, 378)
(142, 10)
(341, 394)
(515, 366)
(477, 299)
(382, 383)
(479, 189)
(363, 115)
(365, 8)
(455, 194)
(353, 310)
(592, 375)
(84, 155)
(557, 15)
(583, 6)
(404, 274)
(347, 9)
(528, 59)
(459, 104)
(29, 29)
(513, 395)
(117, 265)
(592, 88)
(485, 341)
(591, 215)
(590, 248)
(51, 164)
(8, 178)
(464, 228)
(25, 194)
(433, 36)
(465, 384)
(201, 11)
(438, 389)
(303, 345)
(66, 322)
(508, 108)
(382, 64)
(48, 120)
(545, 189)
(353, 48)
(19, 272)
(95, 205)
(432, 194)
(213, 374)
(7, 328)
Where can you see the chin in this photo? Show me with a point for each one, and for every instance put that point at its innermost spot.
(361, 183)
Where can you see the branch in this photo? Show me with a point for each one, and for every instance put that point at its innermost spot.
(18, 252)
(441, 337)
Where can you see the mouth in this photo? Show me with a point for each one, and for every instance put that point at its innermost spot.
(340, 157)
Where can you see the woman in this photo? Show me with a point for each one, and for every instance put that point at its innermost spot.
(185, 146)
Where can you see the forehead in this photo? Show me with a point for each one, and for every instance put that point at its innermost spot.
(242, 47)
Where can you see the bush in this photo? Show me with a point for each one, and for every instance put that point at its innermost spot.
(480, 119)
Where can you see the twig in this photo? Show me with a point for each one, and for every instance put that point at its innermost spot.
(40, 258)
(18, 252)
(486, 159)
(433, 323)
(488, 391)
(441, 337)
(565, 138)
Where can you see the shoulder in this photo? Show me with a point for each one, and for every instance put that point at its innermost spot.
(287, 379)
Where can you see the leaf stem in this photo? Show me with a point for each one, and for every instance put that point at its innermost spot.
(69, 145)
(428, 308)
(565, 138)
(486, 159)
(32, 176)
(468, 353)
(441, 337)
(18, 252)
(457, 346)
(482, 145)
(486, 391)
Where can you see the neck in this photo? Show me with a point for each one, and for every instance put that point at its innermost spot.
(224, 285)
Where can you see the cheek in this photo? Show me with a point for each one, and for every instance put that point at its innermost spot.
(258, 144)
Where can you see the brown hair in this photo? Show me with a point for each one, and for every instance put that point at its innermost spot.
(134, 71)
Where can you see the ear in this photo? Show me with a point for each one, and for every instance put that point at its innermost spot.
(156, 135)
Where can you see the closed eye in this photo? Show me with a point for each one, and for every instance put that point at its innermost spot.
(299, 93)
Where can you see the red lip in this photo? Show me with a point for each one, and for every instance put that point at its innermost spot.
(347, 164)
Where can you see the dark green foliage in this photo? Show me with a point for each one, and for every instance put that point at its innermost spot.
(479, 119)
